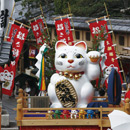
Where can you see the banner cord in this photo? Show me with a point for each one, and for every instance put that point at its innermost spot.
(45, 24)
(72, 22)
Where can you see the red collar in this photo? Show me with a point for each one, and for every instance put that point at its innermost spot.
(70, 75)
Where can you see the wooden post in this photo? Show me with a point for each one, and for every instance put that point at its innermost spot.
(0, 117)
(127, 105)
(19, 111)
(21, 96)
(100, 117)
(20, 93)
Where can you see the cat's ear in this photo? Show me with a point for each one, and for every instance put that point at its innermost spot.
(82, 45)
(60, 44)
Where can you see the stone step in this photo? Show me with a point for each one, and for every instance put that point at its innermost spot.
(12, 126)
(16, 128)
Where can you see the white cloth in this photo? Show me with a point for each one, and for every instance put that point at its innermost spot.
(119, 120)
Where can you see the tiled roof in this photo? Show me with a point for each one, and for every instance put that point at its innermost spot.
(35, 11)
(118, 25)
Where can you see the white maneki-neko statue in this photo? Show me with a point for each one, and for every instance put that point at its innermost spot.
(71, 86)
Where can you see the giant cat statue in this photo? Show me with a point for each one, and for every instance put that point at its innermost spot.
(70, 86)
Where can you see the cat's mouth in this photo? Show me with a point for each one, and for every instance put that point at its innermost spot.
(70, 66)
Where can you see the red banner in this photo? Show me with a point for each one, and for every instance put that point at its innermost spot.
(63, 30)
(38, 30)
(109, 50)
(17, 36)
(8, 74)
(61, 128)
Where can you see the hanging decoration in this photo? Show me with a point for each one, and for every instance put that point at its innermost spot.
(17, 36)
(7, 74)
(63, 29)
(109, 51)
(40, 64)
(38, 29)
(42, 85)
(32, 52)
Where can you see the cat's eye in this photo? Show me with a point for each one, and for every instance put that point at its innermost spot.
(63, 56)
(78, 56)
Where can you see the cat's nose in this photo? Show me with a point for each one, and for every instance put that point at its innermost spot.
(70, 61)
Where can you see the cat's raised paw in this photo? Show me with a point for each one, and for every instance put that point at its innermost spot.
(94, 56)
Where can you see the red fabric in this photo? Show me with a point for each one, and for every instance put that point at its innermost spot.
(63, 30)
(127, 95)
(109, 49)
(38, 30)
(17, 36)
(32, 52)
(8, 74)
(61, 128)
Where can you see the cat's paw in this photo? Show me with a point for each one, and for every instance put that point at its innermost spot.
(60, 79)
(57, 78)
(82, 106)
(56, 105)
(94, 56)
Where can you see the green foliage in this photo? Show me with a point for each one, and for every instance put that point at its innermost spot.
(102, 35)
(90, 8)
(49, 56)
(33, 4)
(49, 63)
(30, 35)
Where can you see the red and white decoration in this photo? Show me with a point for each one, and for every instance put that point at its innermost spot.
(111, 60)
(17, 36)
(33, 51)
(38, 30)
(63, 30)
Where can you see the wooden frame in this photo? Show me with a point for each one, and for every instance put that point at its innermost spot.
(45, 121)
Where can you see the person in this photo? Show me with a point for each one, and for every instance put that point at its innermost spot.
(27, 88)
(31, 87)
(101, 93)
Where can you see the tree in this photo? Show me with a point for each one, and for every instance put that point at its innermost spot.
(91, 8)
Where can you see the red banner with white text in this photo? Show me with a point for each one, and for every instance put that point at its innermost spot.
(17, 36)
(38, 30)
(111, 60)
(63, 30)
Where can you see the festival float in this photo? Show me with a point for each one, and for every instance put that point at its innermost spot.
(72, 104)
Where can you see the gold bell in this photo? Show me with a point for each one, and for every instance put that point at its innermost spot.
(76, 77)
(66, 74)
(80, 75)
(71, 76)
